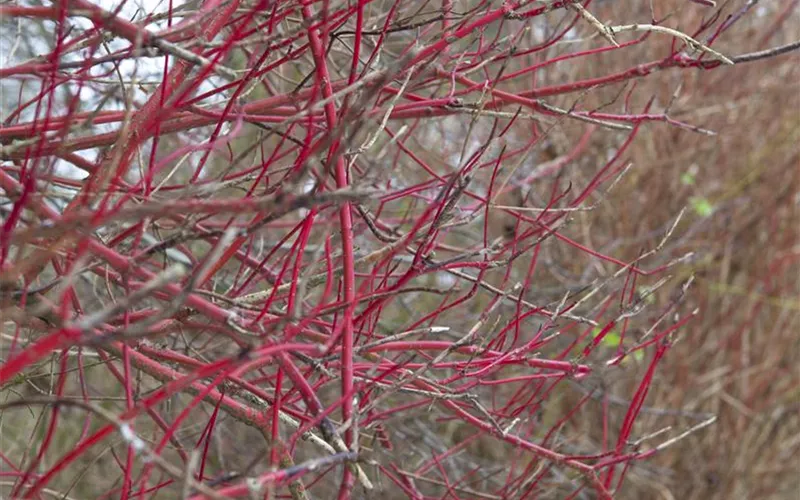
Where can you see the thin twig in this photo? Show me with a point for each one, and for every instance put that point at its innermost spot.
(694, 44)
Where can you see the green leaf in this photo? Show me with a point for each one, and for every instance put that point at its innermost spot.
(611, 339)
(702, 206)
(687, 179)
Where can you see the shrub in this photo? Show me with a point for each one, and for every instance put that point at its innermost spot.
(473, 250)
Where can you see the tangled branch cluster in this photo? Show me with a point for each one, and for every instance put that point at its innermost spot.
(271, 247)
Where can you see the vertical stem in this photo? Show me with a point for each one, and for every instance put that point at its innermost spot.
(346, 225)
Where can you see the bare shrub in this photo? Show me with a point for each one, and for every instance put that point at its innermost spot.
(399, 249)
